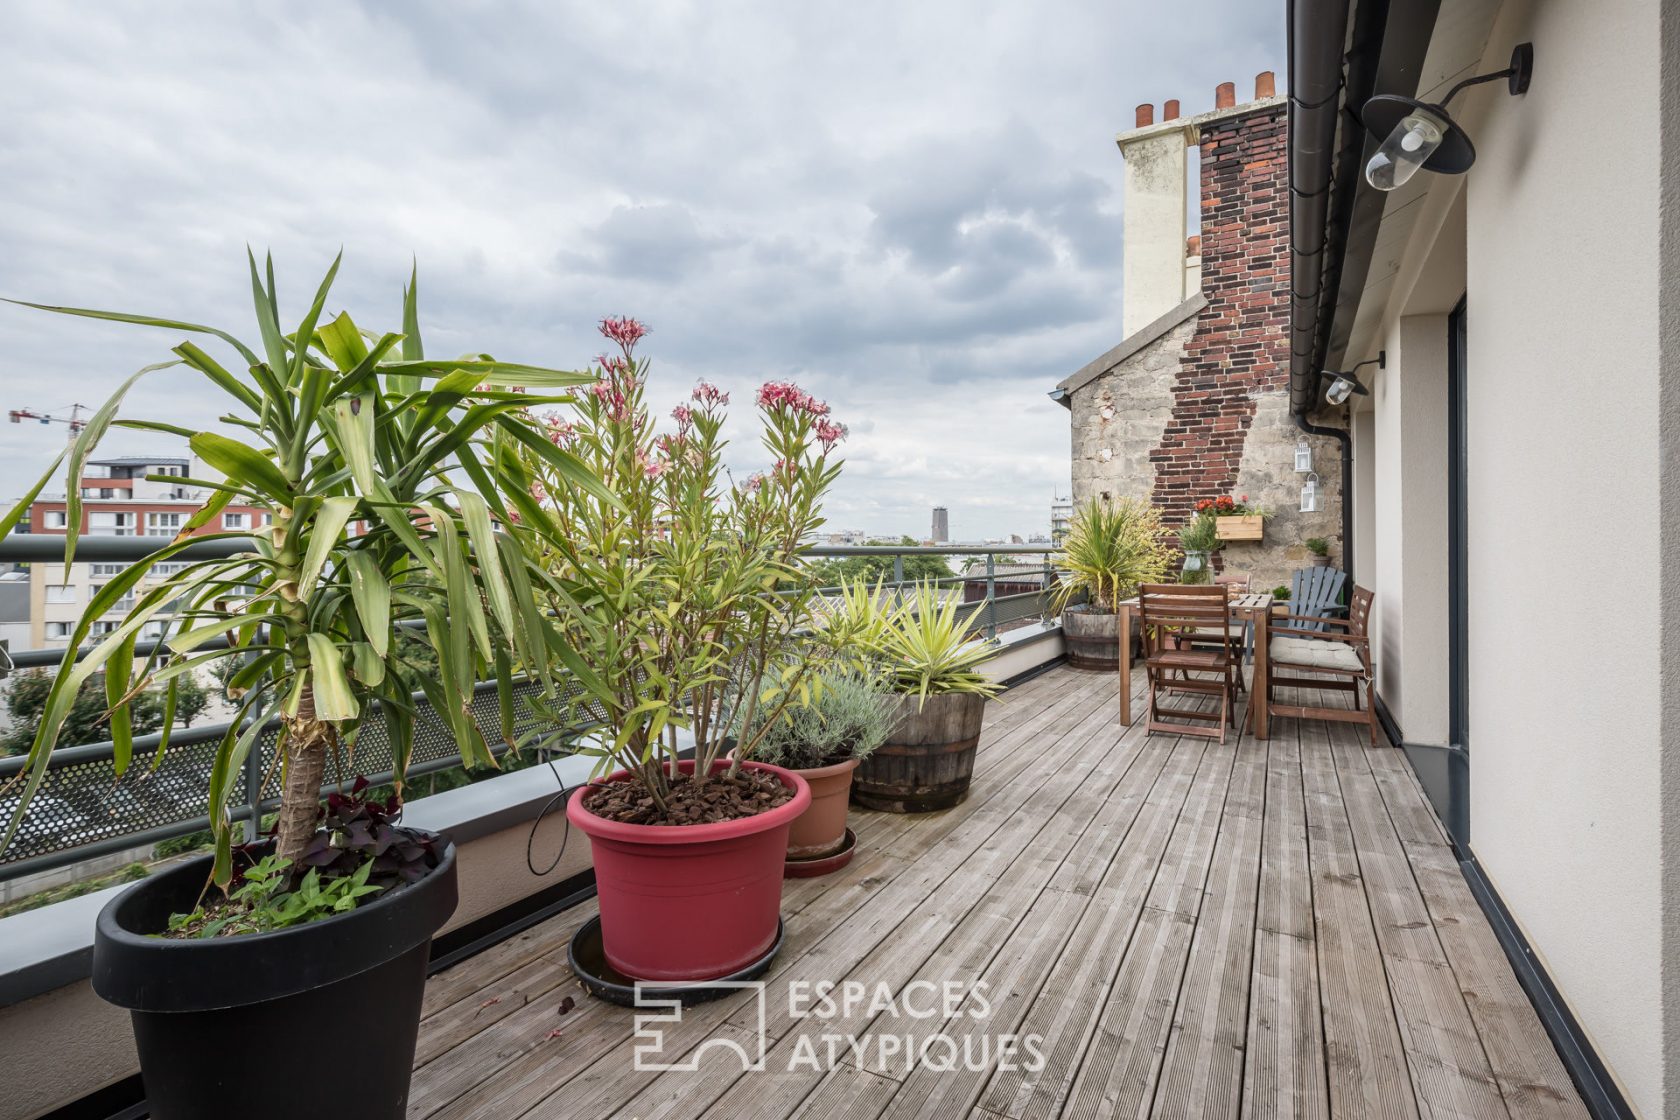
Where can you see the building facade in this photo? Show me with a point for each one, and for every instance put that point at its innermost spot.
(941, 525)
(1516, 474)
(1193, 403)
(119, 500)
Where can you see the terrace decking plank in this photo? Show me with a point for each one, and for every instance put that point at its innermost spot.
(1193, 930)
(1365, 1057)
(1203, 1072)
(1051, 929)
(1530, 1074)
(499, 1092)
(1065, 1011)
(1283, 1061)
(1120, 1072)
(1008, 863)
(1450, 1071)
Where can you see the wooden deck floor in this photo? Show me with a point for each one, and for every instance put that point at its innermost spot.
(1254, 930)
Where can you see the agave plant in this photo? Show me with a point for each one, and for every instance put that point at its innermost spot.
(1111, 547)
(382, 472)
(925, 644)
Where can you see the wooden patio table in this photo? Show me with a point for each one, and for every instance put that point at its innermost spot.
(1251, 607)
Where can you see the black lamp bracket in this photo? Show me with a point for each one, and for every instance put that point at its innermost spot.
(1517, 75)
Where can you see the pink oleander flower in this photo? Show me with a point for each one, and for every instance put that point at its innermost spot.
(706, 393)
(538, 492)
(754, 482)
(623, 330)
(683, 415)
(785, 394)
(650, 466)
(560, 432)
(829, 433)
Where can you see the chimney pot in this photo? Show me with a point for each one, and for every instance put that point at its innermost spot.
(1145, 115)
(1265, 85)
(1225, 96)
(1169, 111)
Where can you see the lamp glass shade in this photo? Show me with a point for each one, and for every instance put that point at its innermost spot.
(1408, 147)
(1340, 390)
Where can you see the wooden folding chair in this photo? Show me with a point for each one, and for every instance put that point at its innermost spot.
(1337, 650)
(1168, 611)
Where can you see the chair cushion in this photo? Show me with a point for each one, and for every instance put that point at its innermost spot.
(1315, 654)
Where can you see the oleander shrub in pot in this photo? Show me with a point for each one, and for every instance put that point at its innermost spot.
(682, 598)
(377, 469)
(931, 655)
(1111, 547)
(846, 714)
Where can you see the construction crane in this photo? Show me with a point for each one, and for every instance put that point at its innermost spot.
(73, 417)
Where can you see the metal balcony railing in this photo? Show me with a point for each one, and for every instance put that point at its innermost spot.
(83, 810)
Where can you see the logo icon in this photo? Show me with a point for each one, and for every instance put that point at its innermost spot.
(650, 1056)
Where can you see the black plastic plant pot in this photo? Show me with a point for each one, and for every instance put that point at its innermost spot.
(263, 1026)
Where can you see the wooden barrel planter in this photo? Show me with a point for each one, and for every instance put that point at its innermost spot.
(927, 761)
(1092, 638)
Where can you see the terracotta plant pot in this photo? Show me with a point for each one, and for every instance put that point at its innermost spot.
(681, 903)
(927, 761)
(821, 829)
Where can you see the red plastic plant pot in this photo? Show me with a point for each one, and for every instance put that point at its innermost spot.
(683, 903)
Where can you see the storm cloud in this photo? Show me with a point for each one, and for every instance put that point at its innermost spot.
(912, 209)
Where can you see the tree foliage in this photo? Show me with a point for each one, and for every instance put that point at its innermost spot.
(837, 570)
(89, 718)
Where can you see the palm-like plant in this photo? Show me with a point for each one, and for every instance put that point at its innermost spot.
(924, 644)
(1111, 547)
(382, 472)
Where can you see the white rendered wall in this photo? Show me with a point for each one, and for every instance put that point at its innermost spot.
(1153, 268)
(1563, 281)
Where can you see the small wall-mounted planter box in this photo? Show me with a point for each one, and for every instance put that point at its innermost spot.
(1241, 527)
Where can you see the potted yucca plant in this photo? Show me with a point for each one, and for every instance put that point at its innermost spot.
(931, 655)
(1111, 548)
(379, 470)
(682, 597)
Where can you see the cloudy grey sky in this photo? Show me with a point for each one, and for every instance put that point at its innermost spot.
(911, 208)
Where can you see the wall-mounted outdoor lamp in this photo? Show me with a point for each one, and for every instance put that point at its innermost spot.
(1309, 494)
(1303, 457)
(1345, 385)
(1421, 135)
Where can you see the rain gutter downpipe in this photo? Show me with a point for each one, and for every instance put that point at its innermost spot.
(1317, 43)
(1342, 437)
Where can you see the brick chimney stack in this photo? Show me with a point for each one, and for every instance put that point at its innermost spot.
(1158, 273)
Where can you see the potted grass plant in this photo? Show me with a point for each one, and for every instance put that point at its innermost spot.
(1319, 548)
(681, 599)
(375, 465)
(931, 656)
(1111, 548)
(847, 713)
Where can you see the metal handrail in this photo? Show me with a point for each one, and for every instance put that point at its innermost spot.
(93, 757)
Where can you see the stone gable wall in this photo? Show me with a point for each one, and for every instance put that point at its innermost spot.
(1203, 411)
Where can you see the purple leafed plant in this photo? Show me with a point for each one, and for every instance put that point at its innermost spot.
(355, 829)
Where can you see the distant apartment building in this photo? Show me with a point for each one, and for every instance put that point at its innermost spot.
(941, 525)
(121, 497)
(1061, 516)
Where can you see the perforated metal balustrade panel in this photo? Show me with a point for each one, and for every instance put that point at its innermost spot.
(83, 809)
